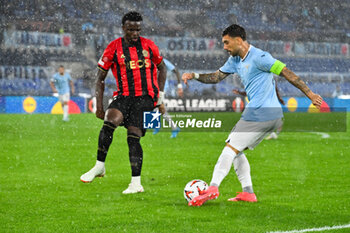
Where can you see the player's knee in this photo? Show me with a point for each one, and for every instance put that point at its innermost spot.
(114, 116)
(134, 131)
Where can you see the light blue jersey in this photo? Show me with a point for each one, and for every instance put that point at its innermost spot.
(169, 65)
(255, 73)
(61, 82)
(170, 68)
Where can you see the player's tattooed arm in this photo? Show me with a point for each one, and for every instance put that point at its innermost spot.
(100, 88)
(295, 80)
(298, 83)
(215, 77)
(161, 75)
(205, 78)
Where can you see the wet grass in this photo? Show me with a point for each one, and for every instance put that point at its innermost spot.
(301, 181)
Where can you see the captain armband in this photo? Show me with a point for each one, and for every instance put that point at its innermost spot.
(277, 67)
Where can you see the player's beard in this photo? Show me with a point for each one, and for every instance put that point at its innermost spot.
(233, 53)
(133, 42)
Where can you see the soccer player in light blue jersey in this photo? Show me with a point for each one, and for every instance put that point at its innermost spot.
(61, 83)
(170, 68)
(261, 116)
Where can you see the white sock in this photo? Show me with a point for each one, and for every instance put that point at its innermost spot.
(65, 111)
(136, 180)
(223, 166)
(99, 165)
(242, 168)
(167, 117)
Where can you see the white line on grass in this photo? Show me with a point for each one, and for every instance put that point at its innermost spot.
(323, 135)
(314, 229)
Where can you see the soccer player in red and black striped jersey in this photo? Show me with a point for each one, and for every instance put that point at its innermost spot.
(140, 75)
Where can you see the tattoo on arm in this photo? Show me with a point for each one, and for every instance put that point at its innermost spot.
(295, 80)
(212, 77)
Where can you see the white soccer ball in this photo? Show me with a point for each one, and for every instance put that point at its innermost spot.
(194, 188)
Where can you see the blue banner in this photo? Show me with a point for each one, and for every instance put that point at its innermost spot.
(40, 104)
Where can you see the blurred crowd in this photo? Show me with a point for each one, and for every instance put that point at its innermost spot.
(320, 20)
(93, 24)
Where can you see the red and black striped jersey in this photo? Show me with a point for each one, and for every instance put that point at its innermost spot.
(134, 67)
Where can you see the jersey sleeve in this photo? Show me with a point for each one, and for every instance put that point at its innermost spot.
(264, 61)
(106, 60)
(169, 65)
(156, 58)
(229, 67)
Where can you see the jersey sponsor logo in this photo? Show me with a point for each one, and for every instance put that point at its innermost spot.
(100, 62)
(138, 64)
(292, 104)
(103, 60)
(29, 104)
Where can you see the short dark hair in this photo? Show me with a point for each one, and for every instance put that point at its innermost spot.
(235, 31)
(61, 66)
(132, 16)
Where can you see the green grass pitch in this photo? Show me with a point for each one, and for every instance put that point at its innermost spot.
(301, 180)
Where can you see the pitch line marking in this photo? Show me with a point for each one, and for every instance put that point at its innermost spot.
(326, 228)
(323, 135)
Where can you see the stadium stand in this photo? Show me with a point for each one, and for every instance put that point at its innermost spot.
(317, 31)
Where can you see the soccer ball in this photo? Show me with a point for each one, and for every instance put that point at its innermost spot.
(194, 188)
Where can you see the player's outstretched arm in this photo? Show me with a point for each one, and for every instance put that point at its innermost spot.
(215, 77)
(298, 83)
(179, 85)
(100, 88)
(238, 92)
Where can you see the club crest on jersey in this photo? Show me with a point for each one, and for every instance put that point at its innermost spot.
(145, 53)
(122, 56)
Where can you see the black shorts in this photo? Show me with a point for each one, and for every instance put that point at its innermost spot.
(132, 108)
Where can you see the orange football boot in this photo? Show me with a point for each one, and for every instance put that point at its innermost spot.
(211, 193)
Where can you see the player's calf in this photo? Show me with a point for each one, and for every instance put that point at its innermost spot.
(135, 157)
